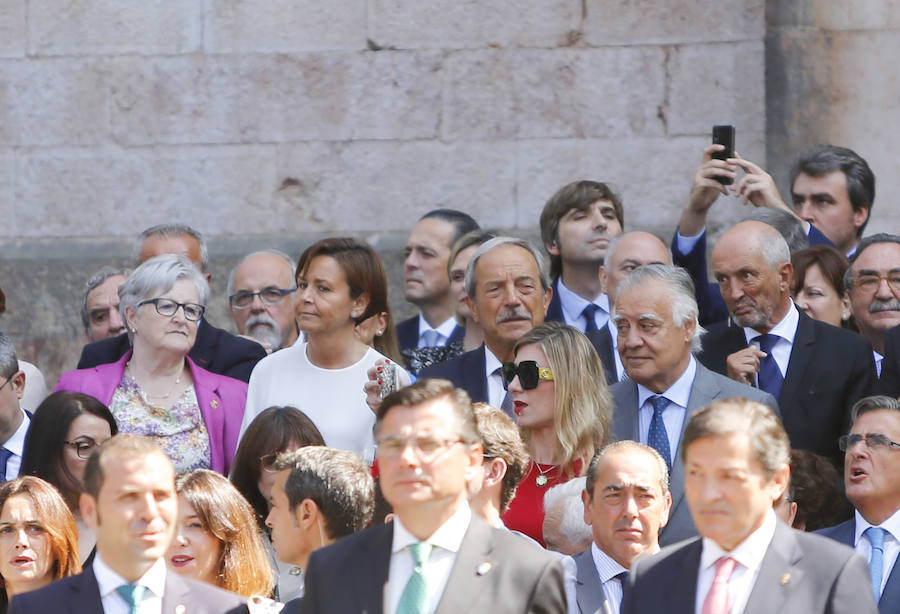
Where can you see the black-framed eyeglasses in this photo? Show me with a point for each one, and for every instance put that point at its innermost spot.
(873, 441)
(529, 374)
(270, 295)
(167, 307)
(83, 447)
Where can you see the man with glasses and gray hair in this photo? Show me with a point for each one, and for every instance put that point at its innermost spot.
(261, 291)
(14, 421)
(872, 483)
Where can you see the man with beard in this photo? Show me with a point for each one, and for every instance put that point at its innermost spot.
(816, 371)
(261, 296)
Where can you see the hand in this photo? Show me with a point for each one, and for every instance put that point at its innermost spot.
(743, 365)
(705, 190)
(757, 187)
(372, 387)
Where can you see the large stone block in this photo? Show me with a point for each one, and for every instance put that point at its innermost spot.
(80, 27)
(717, 84)
(381, 186)
(632, 22)
(409, 24)
(236, 26)
(277, 98)
(12, 28)
(560, 93)
(89, 192)
(53, 102)
(7, 201)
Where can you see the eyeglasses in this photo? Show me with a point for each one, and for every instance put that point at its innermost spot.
(267, 462)
(869, 284)
(83, 447)
(167, 307)
(270, 295)
(426, 447)
(8, 380)
(873, 441)
(529, 374)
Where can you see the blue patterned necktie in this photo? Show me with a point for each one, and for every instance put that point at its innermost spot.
(414, 599)
(132, 594)
(4, 459)
(588, 313)
(769, 377)
(875, 535)
(657, 437)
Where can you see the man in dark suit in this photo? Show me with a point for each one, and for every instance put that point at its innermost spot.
(576, 226)
(14, 419)
(214, 349)
(508, 293)
(656, 318)
(872, 480)
(778, 348)
(626, 502)
(130, 503)
(428, 452)
(427, 285)
(737, 455)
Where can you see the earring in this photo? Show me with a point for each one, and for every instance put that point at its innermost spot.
(379, 332)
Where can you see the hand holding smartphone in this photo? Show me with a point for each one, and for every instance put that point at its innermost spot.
(724, 135)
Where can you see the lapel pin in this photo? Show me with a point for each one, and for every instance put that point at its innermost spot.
(214, 404)
(785, 578)
(483, 568)
(180, 608)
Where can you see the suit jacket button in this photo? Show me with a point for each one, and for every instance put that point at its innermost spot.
(214, 404)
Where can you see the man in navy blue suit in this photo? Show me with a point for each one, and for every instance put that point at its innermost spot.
(872, 480)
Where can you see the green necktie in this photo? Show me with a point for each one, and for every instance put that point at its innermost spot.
(414, 599)
(132, 594)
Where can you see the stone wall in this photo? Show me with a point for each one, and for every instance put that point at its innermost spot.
(274, 122)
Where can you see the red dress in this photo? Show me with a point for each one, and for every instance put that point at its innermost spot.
(526, 510)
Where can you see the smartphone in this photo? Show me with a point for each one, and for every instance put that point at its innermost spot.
(724, 135)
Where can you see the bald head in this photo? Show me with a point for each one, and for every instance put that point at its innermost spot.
(629, 251)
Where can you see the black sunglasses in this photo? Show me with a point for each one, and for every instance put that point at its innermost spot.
(529, 374)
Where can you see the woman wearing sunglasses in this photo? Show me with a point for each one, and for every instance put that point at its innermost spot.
(156, 390)
(563, 409)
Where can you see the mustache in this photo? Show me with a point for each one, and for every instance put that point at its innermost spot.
(516, 313)
(261, 319)
(889, 305)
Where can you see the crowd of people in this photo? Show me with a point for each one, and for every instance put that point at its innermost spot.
(616, 432)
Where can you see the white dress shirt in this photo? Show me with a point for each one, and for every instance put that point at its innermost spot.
(16, 445)
(443, 331)
(154, 579)
(786, 330)
(445, 541)
(748, 554)
(678, 394)
(572, 306)
(608, 569)
(891, 545)
(879, 359)
(495, 390)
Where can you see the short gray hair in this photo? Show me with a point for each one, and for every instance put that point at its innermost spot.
(881, 237)
(494, 243)
(787, 224)
(9, 364)
(873, 403)
(93, 281)
(229, 287)
(770, 243)
(157, 276)
(680, 293)
(567, 496)
(174, 230)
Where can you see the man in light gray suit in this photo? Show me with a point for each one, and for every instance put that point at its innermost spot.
(656, 318)
(736, 455)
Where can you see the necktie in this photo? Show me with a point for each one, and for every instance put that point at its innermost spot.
(132, 594)
(506, 403)
(717, 599)
(658, 437)
(588, 313)
(414, 599)
(769, 377)
(4, 458)
(875, 535)
(430, 338)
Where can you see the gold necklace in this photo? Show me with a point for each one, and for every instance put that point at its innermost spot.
(146, 394)
(542, 479)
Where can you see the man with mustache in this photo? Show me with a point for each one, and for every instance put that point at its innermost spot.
(261, 292)
(508, 293)
(816, 371)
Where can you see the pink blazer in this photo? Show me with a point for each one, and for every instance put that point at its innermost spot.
(221, 401)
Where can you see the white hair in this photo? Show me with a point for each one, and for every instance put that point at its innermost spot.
(229, 287)
(494, 243)
(157, 276)
(567, 498)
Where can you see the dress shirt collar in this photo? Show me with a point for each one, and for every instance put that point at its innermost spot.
(786, 328)
(448, 536)
(891, 525)
(16, 443)
(108, 580)
(573, 305)
(491, 363)
(445, 329)
(607, 568)
(678, 393)
(749, 553)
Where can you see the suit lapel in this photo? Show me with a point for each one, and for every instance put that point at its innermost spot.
(203, 344)
(625, 411)
(85, 593)
(470, 571)
(589, 588)
(778, 573)
(373, 566)
(473, 371)
(177, 594)
(801, 357)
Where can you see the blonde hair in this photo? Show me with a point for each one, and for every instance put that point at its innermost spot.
(583, 404)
